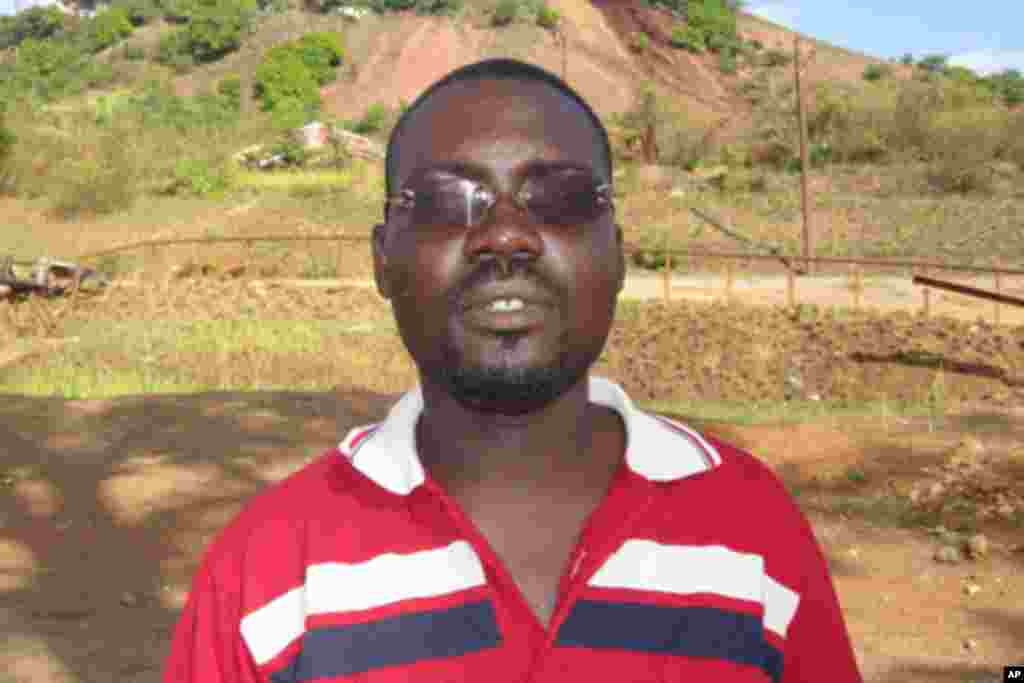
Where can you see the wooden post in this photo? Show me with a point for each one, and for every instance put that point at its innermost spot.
(926, 292)
(999, 290)
(858, 286)
(667, 282)
(790, 288)
(804, 162)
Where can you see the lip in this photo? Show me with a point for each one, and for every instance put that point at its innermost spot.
(530, 316)
(530, 294)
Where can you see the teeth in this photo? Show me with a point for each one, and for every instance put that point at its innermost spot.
(506, 305)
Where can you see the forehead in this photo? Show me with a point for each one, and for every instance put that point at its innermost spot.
(498, 125)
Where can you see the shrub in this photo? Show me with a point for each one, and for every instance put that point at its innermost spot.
(934, 64)
(756, 45)
(438, 7)
(7, 142)
(677, 7)
(505, 12)
(876, 72)
(640, 42)
(171, 45)
(1014, 142)
(216, 30)
(134, 53)
(200, 177)
(547, 16)
(47, 69)
(38, 23)
(108, 28)
(688, 38)
(372, 121)
(179, 11)
(907, 59)
(96, 174)
(715, 19)
(963, 144)
(230, 88)
(1008, 84)
(776, 57)
(322, 53)
(391, 5)
(139, 12)
(284, 77)
(727, 63)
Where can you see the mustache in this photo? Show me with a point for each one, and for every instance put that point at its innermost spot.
(497, 270)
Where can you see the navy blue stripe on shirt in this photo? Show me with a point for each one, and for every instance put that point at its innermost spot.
(405, 639)
(686, 631)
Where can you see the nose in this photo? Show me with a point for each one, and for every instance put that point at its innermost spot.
(506, 236)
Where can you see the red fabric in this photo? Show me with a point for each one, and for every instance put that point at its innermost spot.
(329, 512)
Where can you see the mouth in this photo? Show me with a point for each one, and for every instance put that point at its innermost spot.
(507, 315)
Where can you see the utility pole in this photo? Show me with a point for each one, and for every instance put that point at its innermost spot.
(808, 238)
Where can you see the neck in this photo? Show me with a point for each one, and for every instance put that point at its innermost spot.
(459, 445)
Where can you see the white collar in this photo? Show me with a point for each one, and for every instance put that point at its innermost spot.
(657, 448)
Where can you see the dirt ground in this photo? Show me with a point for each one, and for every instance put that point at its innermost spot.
(109, 504)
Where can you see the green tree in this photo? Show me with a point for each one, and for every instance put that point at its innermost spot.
(322, 53)
(716, 19)
(216, 29)
(689, 38)
(1008, 84)
(934, 64)
(106, 29)
(39, 23)
(876, 72)
(505, 12)
(283, 79)
(140, 12)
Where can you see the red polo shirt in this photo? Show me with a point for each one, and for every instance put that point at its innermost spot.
(697, 566)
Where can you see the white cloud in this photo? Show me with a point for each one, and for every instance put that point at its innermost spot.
(986, 62)
(783, 13)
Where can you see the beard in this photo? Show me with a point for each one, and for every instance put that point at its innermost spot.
(506, 390)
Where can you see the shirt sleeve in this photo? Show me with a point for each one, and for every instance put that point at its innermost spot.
(818, 644)
(207, 646)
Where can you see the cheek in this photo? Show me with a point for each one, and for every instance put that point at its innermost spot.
(424, 273)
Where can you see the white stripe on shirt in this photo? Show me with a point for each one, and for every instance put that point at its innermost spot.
(333, 587)
(646, 565)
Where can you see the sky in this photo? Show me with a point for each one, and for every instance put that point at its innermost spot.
(985, 37)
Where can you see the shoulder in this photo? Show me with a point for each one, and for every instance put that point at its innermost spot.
(274, 517)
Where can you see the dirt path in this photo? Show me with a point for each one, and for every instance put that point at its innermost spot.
(884, 294)
(109, 504)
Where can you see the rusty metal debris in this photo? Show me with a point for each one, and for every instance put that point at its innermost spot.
(969, 291)
(48, 278)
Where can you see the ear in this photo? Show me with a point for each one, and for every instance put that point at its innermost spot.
(620, 240)
(381, 271)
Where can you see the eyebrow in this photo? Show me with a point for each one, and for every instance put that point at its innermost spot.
(466, 169)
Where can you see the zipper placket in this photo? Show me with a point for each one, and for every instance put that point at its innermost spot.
(585, 565)
(480, 542)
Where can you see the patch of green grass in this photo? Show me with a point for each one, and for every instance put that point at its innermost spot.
(160, 351)
(309, 181)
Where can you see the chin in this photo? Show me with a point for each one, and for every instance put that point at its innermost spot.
(509, 390)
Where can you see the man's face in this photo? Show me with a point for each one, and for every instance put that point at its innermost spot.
(441, 277)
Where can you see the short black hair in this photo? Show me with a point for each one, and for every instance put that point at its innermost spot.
(493, 69)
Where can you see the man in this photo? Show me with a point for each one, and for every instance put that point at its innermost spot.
(512, 519)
